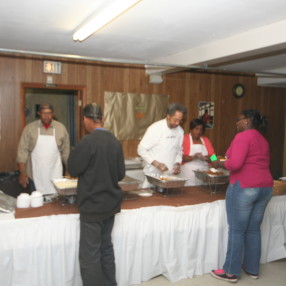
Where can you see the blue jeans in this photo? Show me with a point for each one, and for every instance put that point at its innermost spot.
(245, 209)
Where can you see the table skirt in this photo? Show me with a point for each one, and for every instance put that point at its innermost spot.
(177, 242)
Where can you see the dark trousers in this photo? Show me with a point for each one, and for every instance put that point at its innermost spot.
(96, 255)
(31, 186)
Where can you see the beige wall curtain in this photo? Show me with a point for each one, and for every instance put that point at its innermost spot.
(128, 115)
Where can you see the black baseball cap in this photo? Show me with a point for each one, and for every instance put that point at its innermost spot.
(92, 110)
(46, 106)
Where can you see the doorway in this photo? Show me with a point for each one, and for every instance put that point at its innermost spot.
(284, 151)
(66, 100)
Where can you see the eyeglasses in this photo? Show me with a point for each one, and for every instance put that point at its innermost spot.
(240, 118)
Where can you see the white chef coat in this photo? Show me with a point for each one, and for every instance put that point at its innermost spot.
(197, 164)
(162, 144)
(46, 163)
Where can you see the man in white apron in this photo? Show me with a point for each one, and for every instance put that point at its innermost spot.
(43, 145)
(161, 145)
(46, 163)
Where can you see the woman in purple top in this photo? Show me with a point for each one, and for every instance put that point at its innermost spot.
(248, 193)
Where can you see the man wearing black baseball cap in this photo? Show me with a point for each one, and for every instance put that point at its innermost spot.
(43, 146)
(98, 163)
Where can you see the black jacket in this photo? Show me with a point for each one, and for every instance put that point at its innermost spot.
(98, 162)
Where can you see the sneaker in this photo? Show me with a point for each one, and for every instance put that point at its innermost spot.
(254, 276)
(220, 274)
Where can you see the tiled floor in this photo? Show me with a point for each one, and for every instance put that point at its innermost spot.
(271, 274)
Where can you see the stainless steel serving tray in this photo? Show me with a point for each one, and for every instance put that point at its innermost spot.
(132, 164)
(213, 179)
(166, 181)
(65, 187)
(129, 184)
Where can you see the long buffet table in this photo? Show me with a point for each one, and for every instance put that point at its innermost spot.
(176, 241)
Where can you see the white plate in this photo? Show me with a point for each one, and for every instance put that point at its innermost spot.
(145, 194)
(282, 178)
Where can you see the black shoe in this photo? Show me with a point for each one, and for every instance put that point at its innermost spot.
(254, 276)
(220, 274)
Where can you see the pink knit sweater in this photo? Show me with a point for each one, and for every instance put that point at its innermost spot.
(248, 160)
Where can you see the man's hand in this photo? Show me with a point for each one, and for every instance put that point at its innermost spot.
(160, 166)
(23, 179)
(176, 169)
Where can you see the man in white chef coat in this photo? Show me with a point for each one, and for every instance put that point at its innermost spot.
(161, 145)
(43, 147)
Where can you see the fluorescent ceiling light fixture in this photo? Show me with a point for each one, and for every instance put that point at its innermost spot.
(104, 17)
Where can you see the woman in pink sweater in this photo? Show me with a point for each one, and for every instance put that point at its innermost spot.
(248, 193)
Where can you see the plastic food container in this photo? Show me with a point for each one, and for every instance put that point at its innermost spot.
(23, 201)
(37, 199)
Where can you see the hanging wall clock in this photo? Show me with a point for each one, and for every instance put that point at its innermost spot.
(238, 90)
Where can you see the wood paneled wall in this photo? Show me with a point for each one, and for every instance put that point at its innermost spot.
(187, 88)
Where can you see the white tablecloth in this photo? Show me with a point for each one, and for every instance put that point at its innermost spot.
(178, 242)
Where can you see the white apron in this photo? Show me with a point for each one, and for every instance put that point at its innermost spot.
(46, 163)
(166, 154)
(197, 164)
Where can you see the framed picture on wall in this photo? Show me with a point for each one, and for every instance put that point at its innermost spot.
(206, 113)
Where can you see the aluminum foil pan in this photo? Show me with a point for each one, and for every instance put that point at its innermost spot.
(129, 184)
(7, 203)
(65, 187)
(166, 181)
(213, 179)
